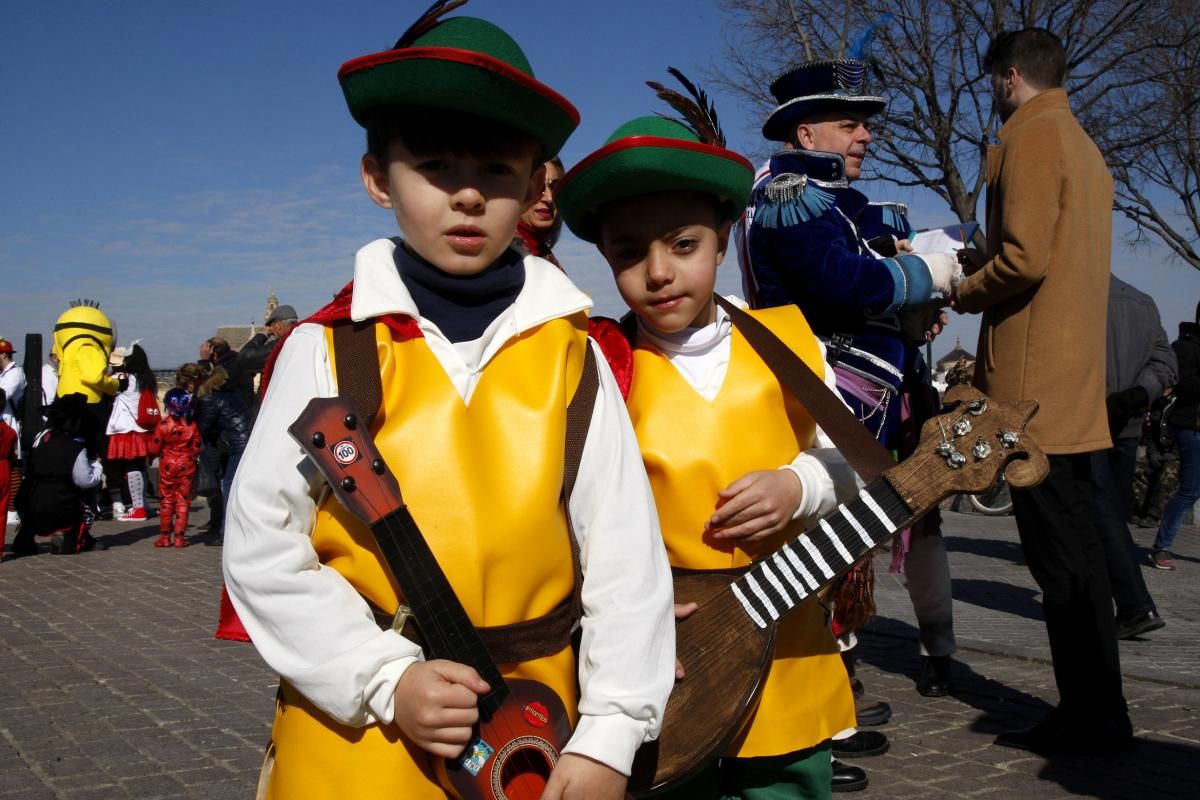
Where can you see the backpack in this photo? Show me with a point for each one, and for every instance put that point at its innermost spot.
(148, 415)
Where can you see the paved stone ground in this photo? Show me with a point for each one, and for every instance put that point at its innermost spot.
(114, 688)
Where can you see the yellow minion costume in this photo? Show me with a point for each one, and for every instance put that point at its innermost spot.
(474, 430)
(83, 339)
(700, 434)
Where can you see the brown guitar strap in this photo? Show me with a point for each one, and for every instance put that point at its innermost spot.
(863, 452)
(357, 365)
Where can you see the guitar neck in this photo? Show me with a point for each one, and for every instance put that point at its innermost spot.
(445, 626)
(822, 554)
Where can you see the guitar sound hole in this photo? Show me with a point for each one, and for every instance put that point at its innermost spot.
(524, 774)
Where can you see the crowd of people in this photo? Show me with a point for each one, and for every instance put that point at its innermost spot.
(567, 464)
(91, 458)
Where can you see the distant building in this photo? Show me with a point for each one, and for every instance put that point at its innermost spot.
(238, 335)
(957, 366)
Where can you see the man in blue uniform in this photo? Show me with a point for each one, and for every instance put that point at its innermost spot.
(809, 238)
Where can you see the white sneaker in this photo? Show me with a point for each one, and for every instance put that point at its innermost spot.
(14, 518)
(118, 509)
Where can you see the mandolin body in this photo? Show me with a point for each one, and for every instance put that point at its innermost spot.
(512, 754)
(725, 657)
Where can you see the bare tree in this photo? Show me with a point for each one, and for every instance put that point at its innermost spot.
(926, 56)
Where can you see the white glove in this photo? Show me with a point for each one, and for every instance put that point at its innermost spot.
(944, 270)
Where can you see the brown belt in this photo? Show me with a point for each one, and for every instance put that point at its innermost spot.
(506, 644)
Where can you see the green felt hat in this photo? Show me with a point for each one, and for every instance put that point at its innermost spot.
(465, 65)
(644, 156)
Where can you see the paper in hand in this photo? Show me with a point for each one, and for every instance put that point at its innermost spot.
(944, 240)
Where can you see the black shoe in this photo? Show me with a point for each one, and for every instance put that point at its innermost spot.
(856, 688)
(871, 714)
(861, 745)
(847, 778)
(215, 541)
(1139, 624)
(1058, 735)
(934, 680)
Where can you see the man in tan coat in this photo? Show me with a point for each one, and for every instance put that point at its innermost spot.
(1043, 292)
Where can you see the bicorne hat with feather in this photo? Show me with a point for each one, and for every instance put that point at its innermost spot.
(460, 64)
(657, 154)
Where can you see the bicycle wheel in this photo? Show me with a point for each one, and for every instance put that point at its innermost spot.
(995, 502)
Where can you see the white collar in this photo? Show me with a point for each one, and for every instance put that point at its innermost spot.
(378, 290)
(689, 341)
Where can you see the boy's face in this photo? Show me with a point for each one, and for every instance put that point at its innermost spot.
(457, 211)
(664, 250)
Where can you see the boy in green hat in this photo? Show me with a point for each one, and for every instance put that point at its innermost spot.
(736, 464)
(479, 352)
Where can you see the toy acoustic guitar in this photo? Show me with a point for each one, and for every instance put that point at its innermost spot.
(726, 644)
(523, 724)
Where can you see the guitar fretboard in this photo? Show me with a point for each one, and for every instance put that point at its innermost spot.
(816, 558)
(445, 626)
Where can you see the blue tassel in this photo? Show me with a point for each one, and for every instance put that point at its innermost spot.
(809, 204)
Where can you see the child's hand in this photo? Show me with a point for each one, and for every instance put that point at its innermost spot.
(683, 611)
(580, 778)
(756, 505)
(436, 704)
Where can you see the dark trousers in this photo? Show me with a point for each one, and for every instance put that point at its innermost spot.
(1112, 475)
(1063, 550)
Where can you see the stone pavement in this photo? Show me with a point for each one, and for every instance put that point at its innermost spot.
(113, 686)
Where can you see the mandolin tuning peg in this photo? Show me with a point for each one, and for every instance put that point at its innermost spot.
(981, 450)
(1009, 439)
(944, 449)
(962, 427)
(956, 460)
(977, 407)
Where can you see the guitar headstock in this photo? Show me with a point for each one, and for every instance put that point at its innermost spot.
(337, 442)
(966, 449)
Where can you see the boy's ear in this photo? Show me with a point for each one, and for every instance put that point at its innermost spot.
(535, 187)
(375, 181)
(723, 229)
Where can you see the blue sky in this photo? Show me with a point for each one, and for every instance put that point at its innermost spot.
(178, 161)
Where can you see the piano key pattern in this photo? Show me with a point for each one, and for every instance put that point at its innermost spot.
(802, 567)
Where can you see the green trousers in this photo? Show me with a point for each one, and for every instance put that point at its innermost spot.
(803, 775)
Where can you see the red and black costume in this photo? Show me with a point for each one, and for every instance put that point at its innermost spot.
(177, 440)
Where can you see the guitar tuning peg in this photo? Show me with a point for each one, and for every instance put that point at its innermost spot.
(977, 407)
(944, 449)
(981, 450)
(956, 460)
(348, 483)
(962, 427)
(378, 466)
(350, 421)
(1009, 439)
(318, 439)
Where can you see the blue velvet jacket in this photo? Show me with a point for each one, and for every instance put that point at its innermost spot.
(804, 241)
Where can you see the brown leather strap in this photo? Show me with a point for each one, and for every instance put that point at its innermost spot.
(506, 644)
(579, 419)
(862, 451)
(357, 364)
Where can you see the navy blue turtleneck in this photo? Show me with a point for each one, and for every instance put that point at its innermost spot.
(462, 306)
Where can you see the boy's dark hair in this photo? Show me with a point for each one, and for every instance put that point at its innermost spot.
(1036, 52)
(429, 131)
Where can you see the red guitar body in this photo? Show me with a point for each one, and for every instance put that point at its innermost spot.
(512, 754)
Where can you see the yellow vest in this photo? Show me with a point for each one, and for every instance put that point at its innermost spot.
(483, 482)
(693, 449)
